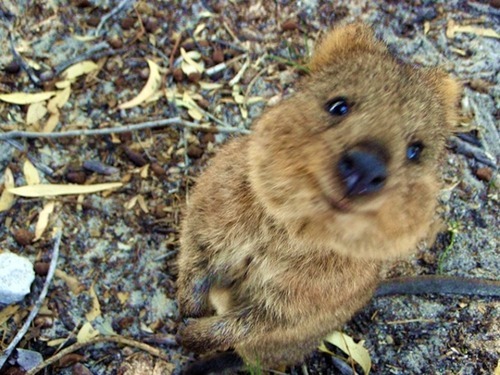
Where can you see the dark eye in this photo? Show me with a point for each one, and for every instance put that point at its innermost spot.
(337, 107)
(414, 150)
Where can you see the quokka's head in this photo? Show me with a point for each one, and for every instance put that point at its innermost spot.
(355, 150)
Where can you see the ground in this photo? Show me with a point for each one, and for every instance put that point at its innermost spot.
(218, 65)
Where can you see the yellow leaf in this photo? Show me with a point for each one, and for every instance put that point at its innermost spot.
(7, 312)
(79, 69)
(209, 85)
(84, 38)
(63, 84)
(43, 220)
(144, 171)
(123, 297)
(24, 98)
(72, 282)
(59, 99)
(57, 342)
(86, 333)
(51, 123)
(142, 204)
(195, 114)
(7, 199)
(199, 29)
(51, 190)
(35, 113)
(357, 352)
(95, 311)
(255, 99)
(188, 58)
(152, 85)
(452, 28)
(188, 69)
(30, 173)
(131, 203)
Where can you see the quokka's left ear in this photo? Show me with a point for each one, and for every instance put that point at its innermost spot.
(449, 92)
(342, 42)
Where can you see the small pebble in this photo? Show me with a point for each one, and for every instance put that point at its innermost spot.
(42, 268)
(127, 23)
(28, 359)
(218, 56)
(135, 157)
(16, 276)
(12, 68)
(194, 152)
(289, 25)
(76, 177)
(484, 174)
(23, 236)
(178, 75)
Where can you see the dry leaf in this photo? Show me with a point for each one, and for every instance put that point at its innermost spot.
(123, 297)
(43, 220)
(189, 58)
(63, 84)
(7, 199)
(199, 29)
(57, 342)
(72, 282)
(86, 333)
(195, 114)
(51, 190)
(30, 173)
(51, 123)
(85, 38)
(452, 28)
(142, 204)
(357, 352)
(152, 85)
(35, 112)
(24, 98)
(79, 69)
(59, 99)
(131, 203)
(209, 85)
(95, 311)
(7, 312)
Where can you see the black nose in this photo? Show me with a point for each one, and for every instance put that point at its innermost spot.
(363, 172)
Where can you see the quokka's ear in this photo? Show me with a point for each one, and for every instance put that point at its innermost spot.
(449, 92)
(343, 41)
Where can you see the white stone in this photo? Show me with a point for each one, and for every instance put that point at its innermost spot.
(16, 276)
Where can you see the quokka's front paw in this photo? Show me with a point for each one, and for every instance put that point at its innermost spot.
(200, 336)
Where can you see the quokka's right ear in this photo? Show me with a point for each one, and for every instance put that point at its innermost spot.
(342, 42)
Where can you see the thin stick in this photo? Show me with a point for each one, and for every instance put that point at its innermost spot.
(34, 311)
(115, 11)
(116, 339)
(120, 129)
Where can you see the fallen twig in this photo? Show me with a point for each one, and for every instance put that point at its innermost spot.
(120, 129)
(102, 49)
(20, 334)
(29, 71)
(116, 339)
(469, 150)
(122, 5)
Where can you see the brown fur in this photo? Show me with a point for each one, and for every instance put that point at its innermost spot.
(272, 243)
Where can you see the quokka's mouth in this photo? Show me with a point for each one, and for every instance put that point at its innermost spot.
(341, 205)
